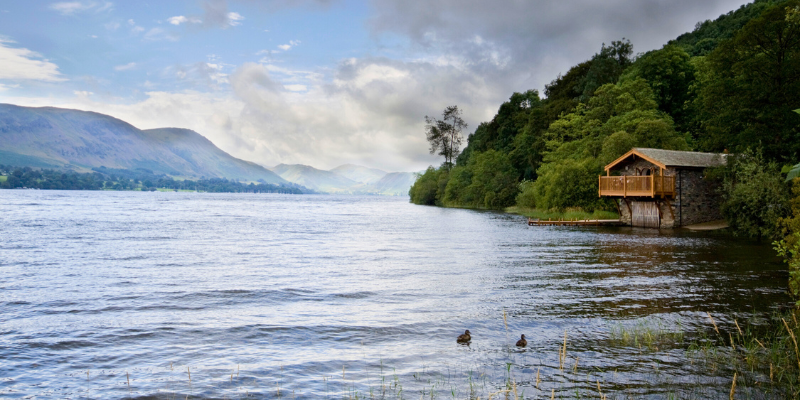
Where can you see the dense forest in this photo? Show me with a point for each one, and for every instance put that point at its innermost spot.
(122, 179)
(730, 85)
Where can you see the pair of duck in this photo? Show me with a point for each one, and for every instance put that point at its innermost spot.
(465, 338)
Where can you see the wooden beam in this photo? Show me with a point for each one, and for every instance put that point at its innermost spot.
(633, 152)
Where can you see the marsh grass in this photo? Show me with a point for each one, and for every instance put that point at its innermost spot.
(650, 334)
(568, 214)
(761, 354)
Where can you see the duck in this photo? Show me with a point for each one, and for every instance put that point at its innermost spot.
(522, 342)
(465, 338)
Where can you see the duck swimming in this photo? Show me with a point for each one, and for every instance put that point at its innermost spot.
(522, 342)
(465, 338)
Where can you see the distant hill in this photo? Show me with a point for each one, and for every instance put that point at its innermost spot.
(51, 137)
(347, 179)
(359, 174)
(394, 184)
(316, 179)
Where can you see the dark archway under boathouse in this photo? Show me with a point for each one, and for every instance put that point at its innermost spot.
(663, 188)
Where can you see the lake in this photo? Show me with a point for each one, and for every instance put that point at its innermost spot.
(118, 295)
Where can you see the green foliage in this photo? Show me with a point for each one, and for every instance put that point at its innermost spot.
(617, 118)
(569, 183)
(707, 35)
(670, 74)
(526, 197)
(754, 196)
(487, 181)
(121, 179)
(748, 87)
(425, 188)
(789, 247)
(605, 67)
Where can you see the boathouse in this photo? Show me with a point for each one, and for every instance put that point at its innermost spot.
(663, 188)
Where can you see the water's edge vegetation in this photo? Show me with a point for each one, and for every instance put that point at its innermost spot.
(124, 179)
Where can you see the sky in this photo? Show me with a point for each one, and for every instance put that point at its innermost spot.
(315, 82)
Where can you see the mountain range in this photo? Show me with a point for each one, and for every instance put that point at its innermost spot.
(347, 179)
(57, 138)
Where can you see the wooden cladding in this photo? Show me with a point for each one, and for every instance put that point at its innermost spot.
(637, 186)
(645, 214)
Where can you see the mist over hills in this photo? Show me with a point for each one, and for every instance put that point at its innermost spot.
(359, 174)
(347, 179)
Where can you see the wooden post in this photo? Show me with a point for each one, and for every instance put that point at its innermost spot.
(652, 186)
(624, 186)
(599, 186)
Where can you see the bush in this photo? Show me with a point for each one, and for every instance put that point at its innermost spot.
(755, 196)
(526, 197)
(789, 247)
(569, 183)
(425, 188)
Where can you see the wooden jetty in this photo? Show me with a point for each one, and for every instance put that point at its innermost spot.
(574, 222)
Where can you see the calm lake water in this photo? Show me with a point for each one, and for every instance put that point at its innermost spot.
(113, 295)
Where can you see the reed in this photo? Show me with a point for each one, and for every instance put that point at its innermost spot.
(713, 322)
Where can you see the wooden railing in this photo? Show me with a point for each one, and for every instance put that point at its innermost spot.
(641, 186)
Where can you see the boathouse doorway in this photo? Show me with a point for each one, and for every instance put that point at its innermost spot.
(645, 214)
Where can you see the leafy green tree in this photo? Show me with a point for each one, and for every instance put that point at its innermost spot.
(569, 183)
(425, 188)
(671, 75)
(444, 134)
(754, 196)
(749, 87)
(615, 119)
(789, 247)
(487, 181)
(605, 67)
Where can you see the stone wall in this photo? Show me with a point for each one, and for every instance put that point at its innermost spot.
(696, 199)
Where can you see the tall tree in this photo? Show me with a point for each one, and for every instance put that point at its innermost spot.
(750, 85)
(444, 134)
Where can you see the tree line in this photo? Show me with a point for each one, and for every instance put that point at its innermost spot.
(122, 179)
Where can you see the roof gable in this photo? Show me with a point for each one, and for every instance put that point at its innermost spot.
(673, 158)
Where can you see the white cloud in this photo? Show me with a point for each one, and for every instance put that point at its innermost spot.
(74, 7)
(112, 26)
(296, 88)
(4, 88)
(24, 64)
(177, 20)
(125, 67)
(292, 43)
(180, 19)
(234, 18)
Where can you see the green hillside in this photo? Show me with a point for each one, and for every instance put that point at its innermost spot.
(50, 137)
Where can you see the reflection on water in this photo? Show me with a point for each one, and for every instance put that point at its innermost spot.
(116, 295)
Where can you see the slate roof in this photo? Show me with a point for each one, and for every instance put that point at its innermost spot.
(672, 158)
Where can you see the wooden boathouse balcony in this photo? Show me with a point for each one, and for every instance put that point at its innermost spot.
(637, 186)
